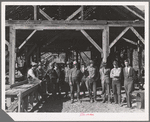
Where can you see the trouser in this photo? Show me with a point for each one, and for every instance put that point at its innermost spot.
(106, 90)
(54, 85)
(66, 85)
(92, 84)
(128, 85)
(116, 86)
(75, 82)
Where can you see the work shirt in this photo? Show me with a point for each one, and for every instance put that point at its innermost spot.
(92, 72)
(115, 73)
(67, 72)
(31, 74)
(105, 75)
(75, 73)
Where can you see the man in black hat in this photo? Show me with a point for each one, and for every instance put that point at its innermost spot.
(92, 80)
(129, 76)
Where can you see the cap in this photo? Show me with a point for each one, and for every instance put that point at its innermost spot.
(91, 62)
(74, 63)
(67, 63)
(115, 63)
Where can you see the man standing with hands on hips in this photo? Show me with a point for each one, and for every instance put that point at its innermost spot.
(129, 76)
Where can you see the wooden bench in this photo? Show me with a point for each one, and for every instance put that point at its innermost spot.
(20, 96)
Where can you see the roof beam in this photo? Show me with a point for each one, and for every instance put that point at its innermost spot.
(92, 41)
(45, 15)
(118, 37)
(35, 12)
(74, 14)
(135, 13)
(27, 39)
(42, 23)
(137, 34)
(130, 41)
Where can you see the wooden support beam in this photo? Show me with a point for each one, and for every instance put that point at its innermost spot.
(92, 41)
(35, 12)
(45, 15)
(7, 43)
(12, 55)
(74, 14)
(130, 41)
(27, 39)
(118, 37)
(137, 34)
(105, 43)
(82, 13)
(135, 13)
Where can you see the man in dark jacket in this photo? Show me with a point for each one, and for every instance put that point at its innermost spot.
(129, 76)
(75, 78)
(53, 78)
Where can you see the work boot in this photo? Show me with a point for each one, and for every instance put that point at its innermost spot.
(72, 101)
(115, 99)
(91, 101)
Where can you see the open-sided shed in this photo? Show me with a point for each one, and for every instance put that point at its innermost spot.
(103, 30)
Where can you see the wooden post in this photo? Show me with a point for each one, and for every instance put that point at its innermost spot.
(82, 13)
(12, 55)
(35, 12)
(105, 43)
(77, 56)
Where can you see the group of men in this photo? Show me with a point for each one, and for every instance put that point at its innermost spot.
(74, 76)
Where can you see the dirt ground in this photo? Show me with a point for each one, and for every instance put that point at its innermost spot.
(63, 105)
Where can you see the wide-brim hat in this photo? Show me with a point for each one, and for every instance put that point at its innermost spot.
(34, 64)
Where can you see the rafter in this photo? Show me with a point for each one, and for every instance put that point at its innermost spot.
(135, 13)
(74, 14)
(130, 41)
(92, 41)
(118, 37)
(45, 15)
(137, 34)
(27, 39)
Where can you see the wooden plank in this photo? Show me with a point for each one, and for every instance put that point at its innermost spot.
(135, 13)
(35, 12)
(25, 41)
(74, 14)
(92, 41)
(45, 15)
(12, 55)
(118, 37)
(82, 13)
(130, 41)
(137, 34)
(19, 101)
(105, 43)
(19, 83)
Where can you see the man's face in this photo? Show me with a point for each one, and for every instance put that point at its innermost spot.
(91, 64)
(39, 66)
(34, 67)
(126, 63)
(115, 66)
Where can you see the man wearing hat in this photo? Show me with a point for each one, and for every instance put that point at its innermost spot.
(115, 74)
(105, 81)
(74, 80)
(31, 75)
(91, 80)
(129, 76)
(53, 79)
